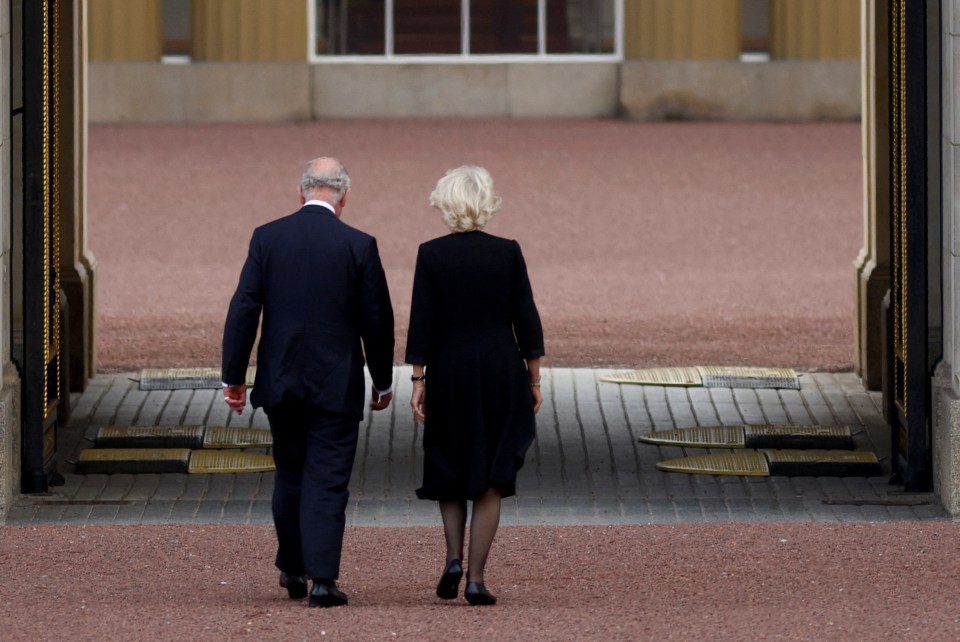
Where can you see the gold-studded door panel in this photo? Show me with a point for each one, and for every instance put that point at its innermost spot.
(908, 361)
(42, 130)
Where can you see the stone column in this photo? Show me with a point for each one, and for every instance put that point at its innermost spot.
(249, 30)
(77, 263)
(946, 384)
(10, 99)
(815, 29)
(872, 266)
(682, 29)
(125, 29)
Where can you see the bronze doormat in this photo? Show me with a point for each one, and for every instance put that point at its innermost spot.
(754, 436)
(186, 378)
(765, 463)
(107, 461)
(184, 436)
(710, 377)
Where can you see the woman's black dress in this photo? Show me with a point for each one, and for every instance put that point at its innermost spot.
(472, 323)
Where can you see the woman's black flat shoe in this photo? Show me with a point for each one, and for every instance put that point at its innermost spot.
(478, 595)
(449, 584)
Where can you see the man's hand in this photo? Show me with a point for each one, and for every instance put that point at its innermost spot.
(378, 401)
(418, 402)
(236, 397)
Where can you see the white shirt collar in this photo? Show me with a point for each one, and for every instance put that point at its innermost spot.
(322, 204)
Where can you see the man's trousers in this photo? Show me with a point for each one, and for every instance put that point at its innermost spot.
(314, 452)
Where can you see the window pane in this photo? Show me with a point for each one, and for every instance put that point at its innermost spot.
(580, 26)
(426, 26)
(176, 27)
(755, 26)
(503, 26)
(350, 27)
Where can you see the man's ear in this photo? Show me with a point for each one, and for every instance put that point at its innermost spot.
(343, 199)
(303, 199)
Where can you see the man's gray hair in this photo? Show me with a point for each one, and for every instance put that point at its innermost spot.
(314, 178)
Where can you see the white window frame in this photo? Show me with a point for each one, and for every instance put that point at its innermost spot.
(464, 56)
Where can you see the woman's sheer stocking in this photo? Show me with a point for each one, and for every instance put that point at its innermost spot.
(483, 527)
(454, 516)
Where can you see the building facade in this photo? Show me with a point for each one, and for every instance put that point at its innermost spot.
(890, 63)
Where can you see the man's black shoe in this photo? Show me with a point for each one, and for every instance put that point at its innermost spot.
(296, 585)
(325, 593)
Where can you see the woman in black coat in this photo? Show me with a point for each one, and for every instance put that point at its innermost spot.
(475, 340)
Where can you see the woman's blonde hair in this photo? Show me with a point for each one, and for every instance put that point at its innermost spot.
(465, 198)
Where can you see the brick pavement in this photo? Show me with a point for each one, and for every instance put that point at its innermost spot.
(586, 466)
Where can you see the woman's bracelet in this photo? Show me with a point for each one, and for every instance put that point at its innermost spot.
(422, 377)
(535, 383)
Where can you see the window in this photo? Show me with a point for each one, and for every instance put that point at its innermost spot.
(449, 30)
(176, 30)
(755, 30)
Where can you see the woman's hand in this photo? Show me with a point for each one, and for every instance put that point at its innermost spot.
(418, 402)
(537, 398)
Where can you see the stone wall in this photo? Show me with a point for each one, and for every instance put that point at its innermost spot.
(147, 92)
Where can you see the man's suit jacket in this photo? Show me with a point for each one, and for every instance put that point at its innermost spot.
(323, 295)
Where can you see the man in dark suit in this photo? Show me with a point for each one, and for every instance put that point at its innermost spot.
(321, 290)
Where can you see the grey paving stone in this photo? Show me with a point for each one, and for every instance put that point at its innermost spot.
(91, 487)
(874, 513)
(21, 514)
(209, 512)
(818, 509)
(50, 513)
(152, 407)
(702, 407)
(653, 487)
(732, 487)
(749, 406)
(175, 408)
(156, 512)
(740, 509)
(129, 513)
(767, 510)
(794, 509)
(261, 512)
(931, 511)
(195, 486)
(236, 511)
(897, 512)
(103, 513)
(219, 487)
(75, 514)
(635, 510)
(129, 409)
(689, 511)
(707, 487)
(714, 510)
(184, 510)
(117, 487)
(170, 486)
(834, 488)
(608, 510)
(773, 409)
(110, 401)
(198, 410)
(681, 410)
(757, 488)
(144, 486)
(663, 510)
